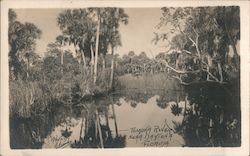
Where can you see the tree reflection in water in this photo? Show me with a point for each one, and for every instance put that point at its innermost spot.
(176, 110)
(211, 113)
(30, 132)
(212, 118)
(162, 102)
(97, 134)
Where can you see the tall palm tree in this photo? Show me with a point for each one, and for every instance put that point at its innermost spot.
(116, 16)
(77, 28)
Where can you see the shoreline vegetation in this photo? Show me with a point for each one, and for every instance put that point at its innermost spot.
(203, 61)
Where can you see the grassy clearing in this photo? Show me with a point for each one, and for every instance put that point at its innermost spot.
(149, 82)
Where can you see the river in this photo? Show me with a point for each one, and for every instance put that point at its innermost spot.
(135, 117)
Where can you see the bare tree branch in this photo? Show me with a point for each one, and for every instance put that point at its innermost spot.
(179, 71)
(189, 52)
(209, 73)
(195, 43)
(181, 81)
(195, 82)
(186, 51)
(191, 72)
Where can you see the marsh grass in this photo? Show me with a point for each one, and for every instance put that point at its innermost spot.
(23, 96)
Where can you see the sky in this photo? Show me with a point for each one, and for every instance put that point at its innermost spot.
(136, 36)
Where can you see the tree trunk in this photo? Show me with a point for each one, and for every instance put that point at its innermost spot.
(86, 124)
(107, 118)
(208, 70)
(76, 51)
(27, 72)
(99, 128)
(62, 60)
(210, 63)
(220, 71)
(96, 48)
(116, 129)
(96, 128)
(61, 56)
(107, 121)
(83, 58)
(236, 55)
(232, 42)
(80, 137)
(92, 60)
(177, 100)
(103, 63)
(210, 128)
(185, 109)
(112, 70)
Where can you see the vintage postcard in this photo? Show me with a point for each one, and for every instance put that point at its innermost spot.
(124, 78)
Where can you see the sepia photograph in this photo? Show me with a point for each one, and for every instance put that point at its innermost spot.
(91, 77)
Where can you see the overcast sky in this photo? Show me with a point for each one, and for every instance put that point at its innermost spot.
(136, 36)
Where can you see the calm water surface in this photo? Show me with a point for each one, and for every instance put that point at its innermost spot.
(204, 115)
(142, 119)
